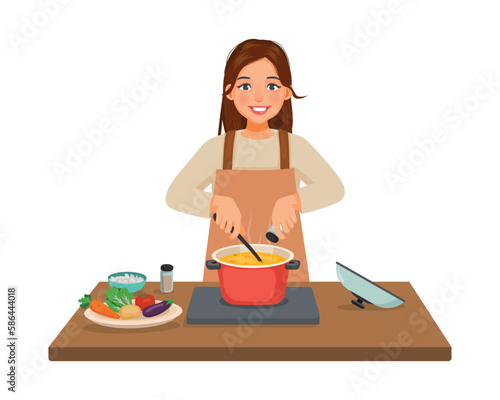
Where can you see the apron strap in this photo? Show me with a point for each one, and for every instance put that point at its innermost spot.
(227, 160)
(284, 151)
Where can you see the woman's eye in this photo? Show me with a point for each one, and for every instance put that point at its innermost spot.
(245, 86)
(273, 86)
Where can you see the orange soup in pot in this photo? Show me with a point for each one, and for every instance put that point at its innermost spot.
(247, 258)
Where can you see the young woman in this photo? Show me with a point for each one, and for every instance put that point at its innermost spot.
(256, 167)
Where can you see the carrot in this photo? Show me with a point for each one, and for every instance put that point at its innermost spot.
(97, 306)
(100, 308)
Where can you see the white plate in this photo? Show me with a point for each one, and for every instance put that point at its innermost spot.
(140, 322)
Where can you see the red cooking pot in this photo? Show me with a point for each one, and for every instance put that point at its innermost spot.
(253, 284)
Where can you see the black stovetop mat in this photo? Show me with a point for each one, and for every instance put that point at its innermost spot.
(208, 307)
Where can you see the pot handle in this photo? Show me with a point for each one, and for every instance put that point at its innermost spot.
(293, 264)
(212, 264)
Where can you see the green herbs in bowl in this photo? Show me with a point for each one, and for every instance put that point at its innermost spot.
(133, 281)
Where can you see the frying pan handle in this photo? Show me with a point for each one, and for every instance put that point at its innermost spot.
(292, 264)
(212, 264)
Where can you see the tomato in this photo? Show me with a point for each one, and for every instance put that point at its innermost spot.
(144, 300)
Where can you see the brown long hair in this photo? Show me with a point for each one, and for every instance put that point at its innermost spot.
(240, 56)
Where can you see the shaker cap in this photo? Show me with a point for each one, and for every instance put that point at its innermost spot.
(167, 267)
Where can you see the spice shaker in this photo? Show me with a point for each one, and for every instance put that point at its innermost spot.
(271, 235)
(167, 278)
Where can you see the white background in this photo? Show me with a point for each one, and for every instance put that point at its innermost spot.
(438, 228)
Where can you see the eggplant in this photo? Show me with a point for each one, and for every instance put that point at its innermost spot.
(156, 309)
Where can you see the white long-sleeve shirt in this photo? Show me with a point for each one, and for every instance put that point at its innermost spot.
(322, 185)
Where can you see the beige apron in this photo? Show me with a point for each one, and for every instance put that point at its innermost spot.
(255, 192)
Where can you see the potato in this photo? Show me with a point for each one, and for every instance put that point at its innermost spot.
(130, 311)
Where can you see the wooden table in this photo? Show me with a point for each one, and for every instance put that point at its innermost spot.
(345, 333)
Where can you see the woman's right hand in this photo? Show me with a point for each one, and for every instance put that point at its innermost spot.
(228, 215)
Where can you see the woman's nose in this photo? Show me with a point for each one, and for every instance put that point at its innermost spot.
(258, 95)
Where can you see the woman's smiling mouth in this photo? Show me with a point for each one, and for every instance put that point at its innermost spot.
(259, 110)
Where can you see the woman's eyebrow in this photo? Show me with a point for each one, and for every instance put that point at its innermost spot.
(243, 77)
(273, 77)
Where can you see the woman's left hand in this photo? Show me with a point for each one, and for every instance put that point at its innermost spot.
(284, 214)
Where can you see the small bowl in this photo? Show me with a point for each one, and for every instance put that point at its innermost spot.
(132, 287)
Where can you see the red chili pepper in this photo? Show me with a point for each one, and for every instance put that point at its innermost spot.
(144, 300)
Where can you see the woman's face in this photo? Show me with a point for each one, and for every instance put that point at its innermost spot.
(258, 93)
